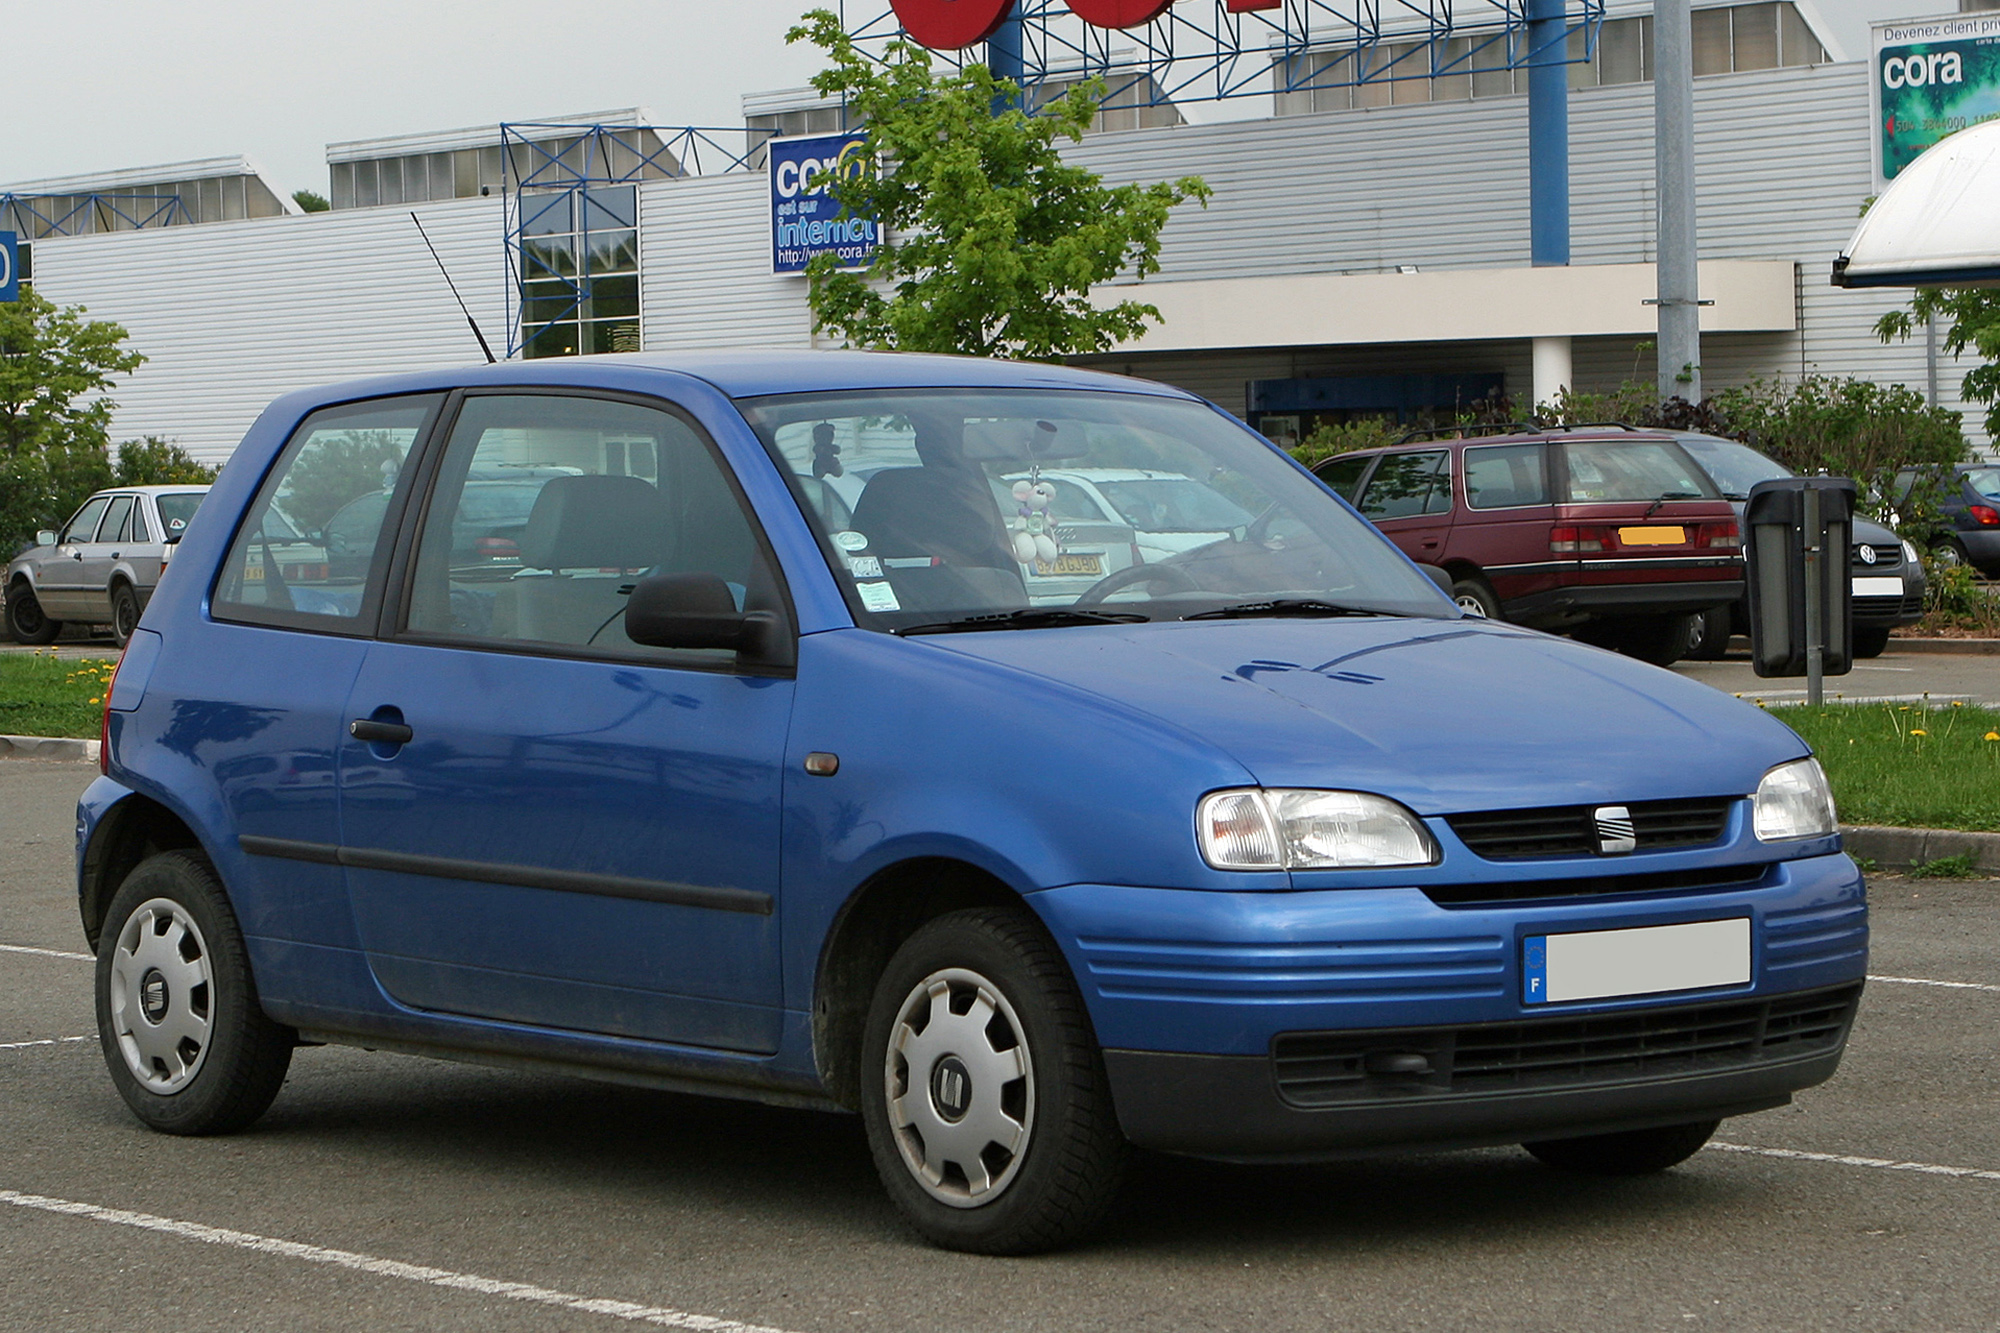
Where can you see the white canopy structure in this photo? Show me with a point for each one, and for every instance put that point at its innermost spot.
(1938, 223)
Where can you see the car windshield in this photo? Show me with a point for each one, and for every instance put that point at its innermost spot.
(1602, 471)
(951, 506)
(1735, 467)
(1985, 480)
(177, 509)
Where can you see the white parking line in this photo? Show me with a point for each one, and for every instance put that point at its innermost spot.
(46, 953)
(45, 1041)
(435, 1277)
(1840, 1159)
(1926, 981)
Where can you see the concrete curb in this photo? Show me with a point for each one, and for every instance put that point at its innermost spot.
(1973, 647)
(1901, 848)
(48, 747)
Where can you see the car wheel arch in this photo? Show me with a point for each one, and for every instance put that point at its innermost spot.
(890, 906)
(130, 831)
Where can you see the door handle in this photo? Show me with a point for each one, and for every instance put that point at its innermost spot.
(384, 733)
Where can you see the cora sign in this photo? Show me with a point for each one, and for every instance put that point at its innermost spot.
(950, 25)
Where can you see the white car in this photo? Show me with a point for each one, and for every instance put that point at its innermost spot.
(102, 567)
(1169, 512)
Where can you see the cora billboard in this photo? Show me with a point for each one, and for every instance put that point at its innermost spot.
(805, 219)
(1932, 78)
(951, 25)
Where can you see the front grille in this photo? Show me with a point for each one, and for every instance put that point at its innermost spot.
(1317, 1069)
(1704, 880)
(1886, 558)
(1571, 830)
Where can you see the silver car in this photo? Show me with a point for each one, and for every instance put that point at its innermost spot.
(102, 567)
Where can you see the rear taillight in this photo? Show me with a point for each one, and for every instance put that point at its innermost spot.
(1571, 540)
(497, 548)
(1719, 534)
(1984, 515)
(104, 723)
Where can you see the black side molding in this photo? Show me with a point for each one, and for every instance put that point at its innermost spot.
(528, 877)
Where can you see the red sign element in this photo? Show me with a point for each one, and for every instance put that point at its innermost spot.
(1119, 13)
(1250, 6)
(949, 25)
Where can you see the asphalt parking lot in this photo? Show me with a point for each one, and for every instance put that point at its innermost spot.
(388, 1192)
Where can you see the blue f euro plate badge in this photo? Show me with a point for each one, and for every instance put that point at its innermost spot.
(1535, 970)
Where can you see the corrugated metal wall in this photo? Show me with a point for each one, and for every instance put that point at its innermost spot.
(233, 314)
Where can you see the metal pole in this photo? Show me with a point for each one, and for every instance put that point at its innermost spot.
(1004, 58)
(1815, 602)
(1930, 360)
(1673, 163)
(1548, 135)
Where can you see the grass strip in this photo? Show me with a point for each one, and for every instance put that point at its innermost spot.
(43, 695)
(1907, 765)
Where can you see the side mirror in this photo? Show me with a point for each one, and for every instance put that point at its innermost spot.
(699, 611)
(45, 538)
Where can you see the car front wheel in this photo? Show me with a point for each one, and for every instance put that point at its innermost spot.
(26, 620)
(188, 1045)
(1635, 1152)
(983, 1091)
(1870, 642)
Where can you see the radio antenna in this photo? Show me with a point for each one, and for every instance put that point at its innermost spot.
(490, 358)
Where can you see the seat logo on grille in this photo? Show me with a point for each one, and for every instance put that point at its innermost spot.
(1614, 830)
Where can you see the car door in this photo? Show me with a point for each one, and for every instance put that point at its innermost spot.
(59, 582)
(1408, 496)
(544, 823)
(102, 553)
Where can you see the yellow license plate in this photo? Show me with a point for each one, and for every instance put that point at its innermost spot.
(1653, 536)
(1091, 565)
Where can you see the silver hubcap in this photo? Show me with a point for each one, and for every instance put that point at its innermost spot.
(1471, 605)
(162, 995)
(961, 1088)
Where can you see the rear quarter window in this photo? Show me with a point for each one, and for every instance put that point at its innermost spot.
(1506, 476)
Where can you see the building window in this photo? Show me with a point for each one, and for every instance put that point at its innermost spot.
(1726, 40)
(579, 271)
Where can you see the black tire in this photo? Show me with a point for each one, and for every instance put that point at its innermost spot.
(124, 613)
(1474, 596)
(1634, 1152)
(1708, 635)
(25, 619)
(231, 1059)
(1069, 1157)
(1870, 642)
(1661, 640)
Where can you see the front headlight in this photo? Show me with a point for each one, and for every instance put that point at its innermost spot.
(1910, 553)
(1793, 801)
(1251, 828)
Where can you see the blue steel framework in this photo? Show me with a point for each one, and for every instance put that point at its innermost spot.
(548, 170)
(35, 216)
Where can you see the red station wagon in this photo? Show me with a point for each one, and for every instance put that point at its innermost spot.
(1610, 534)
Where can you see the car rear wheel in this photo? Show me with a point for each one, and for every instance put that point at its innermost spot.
(1949, 554)
(124, 613)
(1475, 597)
(1661, 640)
(1708, 635)
(188, 1045)
(1635, 1152)
(25, 618)
(1870, 642)
(983, 1095)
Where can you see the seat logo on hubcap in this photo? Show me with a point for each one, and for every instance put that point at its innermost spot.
(951, 1088)
(153, 996)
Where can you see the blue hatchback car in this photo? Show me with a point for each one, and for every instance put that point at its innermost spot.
(697, 778)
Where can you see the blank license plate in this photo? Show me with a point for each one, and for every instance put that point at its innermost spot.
(1653, 536)
(1603, 964)
(1890, 586)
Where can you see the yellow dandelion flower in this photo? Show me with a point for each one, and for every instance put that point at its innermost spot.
(1918, 731)
(1993, 736)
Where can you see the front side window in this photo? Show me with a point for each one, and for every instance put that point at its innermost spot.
(958, 507)
(83, 527)
(308, 552)
(1601, 471)
(1406, 485)
(532, 537)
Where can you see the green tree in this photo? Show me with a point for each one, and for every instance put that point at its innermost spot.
(992, 241)
(157, 462)
(1972, 320)
(335, 469)
(56, 371)
(310, 202)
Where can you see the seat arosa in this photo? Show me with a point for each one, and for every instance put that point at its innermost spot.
(1262, 851)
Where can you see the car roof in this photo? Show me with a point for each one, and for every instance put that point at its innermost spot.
(185, 488)
(753, 374)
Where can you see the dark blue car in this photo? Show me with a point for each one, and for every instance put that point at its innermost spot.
(1258, 851)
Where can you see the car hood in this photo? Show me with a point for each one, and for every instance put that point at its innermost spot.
(1443, 715)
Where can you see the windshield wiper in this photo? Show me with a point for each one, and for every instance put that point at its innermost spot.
(1285, 606)
(1671, 495)
(1036, 617)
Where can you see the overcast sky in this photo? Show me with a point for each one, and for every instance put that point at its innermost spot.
(97, 85)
